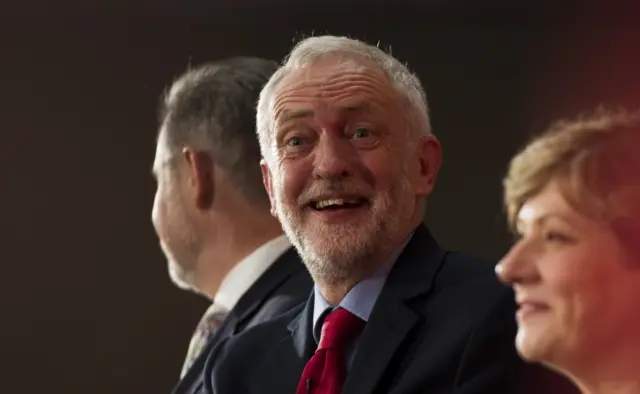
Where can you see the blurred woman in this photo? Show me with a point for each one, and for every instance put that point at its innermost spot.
(573, 197)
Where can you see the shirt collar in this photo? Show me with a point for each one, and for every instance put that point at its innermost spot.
(244, 274)
(360, 300)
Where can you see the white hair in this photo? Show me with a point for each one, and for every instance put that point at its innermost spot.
(312, 49)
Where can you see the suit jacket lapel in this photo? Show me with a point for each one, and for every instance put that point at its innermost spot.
(392, 319)
(287, 359)
(287, 265)
(301, 330)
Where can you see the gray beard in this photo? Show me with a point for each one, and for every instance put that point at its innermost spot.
(338, 255)
(343, 257)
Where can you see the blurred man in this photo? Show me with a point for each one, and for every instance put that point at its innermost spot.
(211, 211)
(349, 160)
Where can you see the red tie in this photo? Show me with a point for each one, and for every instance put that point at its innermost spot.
(326, 371)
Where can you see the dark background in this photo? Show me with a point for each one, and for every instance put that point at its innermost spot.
(87, 303)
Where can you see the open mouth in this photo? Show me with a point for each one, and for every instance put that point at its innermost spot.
(335, 204)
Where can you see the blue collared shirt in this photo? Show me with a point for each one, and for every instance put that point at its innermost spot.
(359, 300)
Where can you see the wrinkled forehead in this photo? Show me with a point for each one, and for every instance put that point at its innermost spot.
(333, 80)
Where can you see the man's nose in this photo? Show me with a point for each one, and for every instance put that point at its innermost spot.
(333, 158)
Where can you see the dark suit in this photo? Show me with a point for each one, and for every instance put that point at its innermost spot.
(285, 285)
(443, 323)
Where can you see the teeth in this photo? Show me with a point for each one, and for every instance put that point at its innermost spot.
(336, 201)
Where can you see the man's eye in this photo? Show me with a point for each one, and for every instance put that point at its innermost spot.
(294, 141)
(361, 132)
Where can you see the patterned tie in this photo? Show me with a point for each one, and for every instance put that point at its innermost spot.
(209, 323)
(326, 371)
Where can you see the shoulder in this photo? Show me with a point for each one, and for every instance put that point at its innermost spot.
(298, 281)
(289, 273)
(467, 266)
(246, 354)
(462, 269)
(286, 283)
(249, 343)
(290, 288)
(428, 265)
(448, 280)
(471, 284)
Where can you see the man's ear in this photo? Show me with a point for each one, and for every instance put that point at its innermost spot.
(268, 184)
(430, 160)
(201, 176)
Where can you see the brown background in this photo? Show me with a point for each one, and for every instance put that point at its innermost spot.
(86, 300)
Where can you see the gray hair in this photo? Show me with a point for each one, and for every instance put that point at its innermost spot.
(312, 49)
(212, 108)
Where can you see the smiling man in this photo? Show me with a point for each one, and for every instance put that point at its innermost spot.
(349, 159)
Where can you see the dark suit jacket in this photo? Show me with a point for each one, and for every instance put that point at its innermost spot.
(285, 285)
(443, 323)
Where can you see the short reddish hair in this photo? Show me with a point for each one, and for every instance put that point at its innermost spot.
(595, 158)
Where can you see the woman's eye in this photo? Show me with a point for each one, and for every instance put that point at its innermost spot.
(553, 236)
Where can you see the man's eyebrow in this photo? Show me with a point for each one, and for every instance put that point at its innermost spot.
(354, 107)
(288, 115)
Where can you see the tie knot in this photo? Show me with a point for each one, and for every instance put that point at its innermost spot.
(212, 320)
(339, 328)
